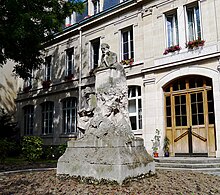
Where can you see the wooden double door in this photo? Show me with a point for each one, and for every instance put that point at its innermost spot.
(190, 117)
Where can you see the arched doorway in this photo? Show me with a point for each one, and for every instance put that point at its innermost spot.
(190, 118)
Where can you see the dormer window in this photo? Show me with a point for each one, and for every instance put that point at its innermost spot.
(96, 6)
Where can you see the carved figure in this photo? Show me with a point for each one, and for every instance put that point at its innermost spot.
(108, 58)
(87, 112)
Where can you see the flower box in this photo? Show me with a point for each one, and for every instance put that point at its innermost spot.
(127, 62)
(46, 84)
(68, 77)
(88, 16)
(172, 49)
(27, 89)
(194, 44)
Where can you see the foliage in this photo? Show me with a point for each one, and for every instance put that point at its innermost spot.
(156, 141)
(26, 25)
(166, 144)
(127, 62)
(32, 147)
(6, 148)
(196, 43)
(8, 128)
(172, 49)
(53, 151)
(46, 84)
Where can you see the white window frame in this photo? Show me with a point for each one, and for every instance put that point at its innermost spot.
(70, 20)
(138, 110)
(70, 62)
(70, 116)
(195, 33)
(48, 66)
(174, 37)
(130, 42)
(92, 53)
(29, 81)
(28, 119)
(96, 6)
(47, 117)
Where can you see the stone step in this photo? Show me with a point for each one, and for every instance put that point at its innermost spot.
(189, 166)
(195, 160)
(196, 164)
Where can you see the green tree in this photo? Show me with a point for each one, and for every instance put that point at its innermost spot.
(25, 25)
(8, 126)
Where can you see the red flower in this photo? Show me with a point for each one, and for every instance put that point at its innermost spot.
(68, 77)
(46, 84)
(196, 43)
(172, 49)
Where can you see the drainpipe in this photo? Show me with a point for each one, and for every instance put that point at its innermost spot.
(216, 22)
(80, 67)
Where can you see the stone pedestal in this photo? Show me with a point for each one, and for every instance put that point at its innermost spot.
(108, 158)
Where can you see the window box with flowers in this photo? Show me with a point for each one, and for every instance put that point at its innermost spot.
(27, 89)
(195, 43)
(46, 84)
(127, 62)
(172, 49)
(68, 77)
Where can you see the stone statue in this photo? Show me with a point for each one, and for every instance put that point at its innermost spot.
(87, 112)
(108, 148)
(108, 58)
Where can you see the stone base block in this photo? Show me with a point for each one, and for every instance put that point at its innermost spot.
(101, 159)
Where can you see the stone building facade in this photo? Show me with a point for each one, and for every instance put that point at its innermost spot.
(170, 50)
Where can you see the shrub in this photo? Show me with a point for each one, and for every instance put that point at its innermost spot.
(6, 148)
(61, 149)
(32, 147)
(53, 151)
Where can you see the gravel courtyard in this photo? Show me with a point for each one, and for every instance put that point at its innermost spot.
(163, 183)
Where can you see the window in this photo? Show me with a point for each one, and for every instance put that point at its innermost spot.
(172, 30)
(95, 46)
(28, 82)
(70, 20)
(28, 120)
(70, 62)
(69, 115)
(47, 74)
(135, 107)
(96, 6)
(193, 22)
(187, 100)
(127, 46)
(47, 117)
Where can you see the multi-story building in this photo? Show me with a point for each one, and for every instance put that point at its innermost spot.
(171, 52)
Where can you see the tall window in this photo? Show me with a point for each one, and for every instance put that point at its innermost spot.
(70, 20)
(47, 73)
(193, 22)
(69, 115)
(172, 30)
(127, 44)
(47, 117)
(95, 46)
(70, 62)
(96, 5)
(135, 107)
(28, 120)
